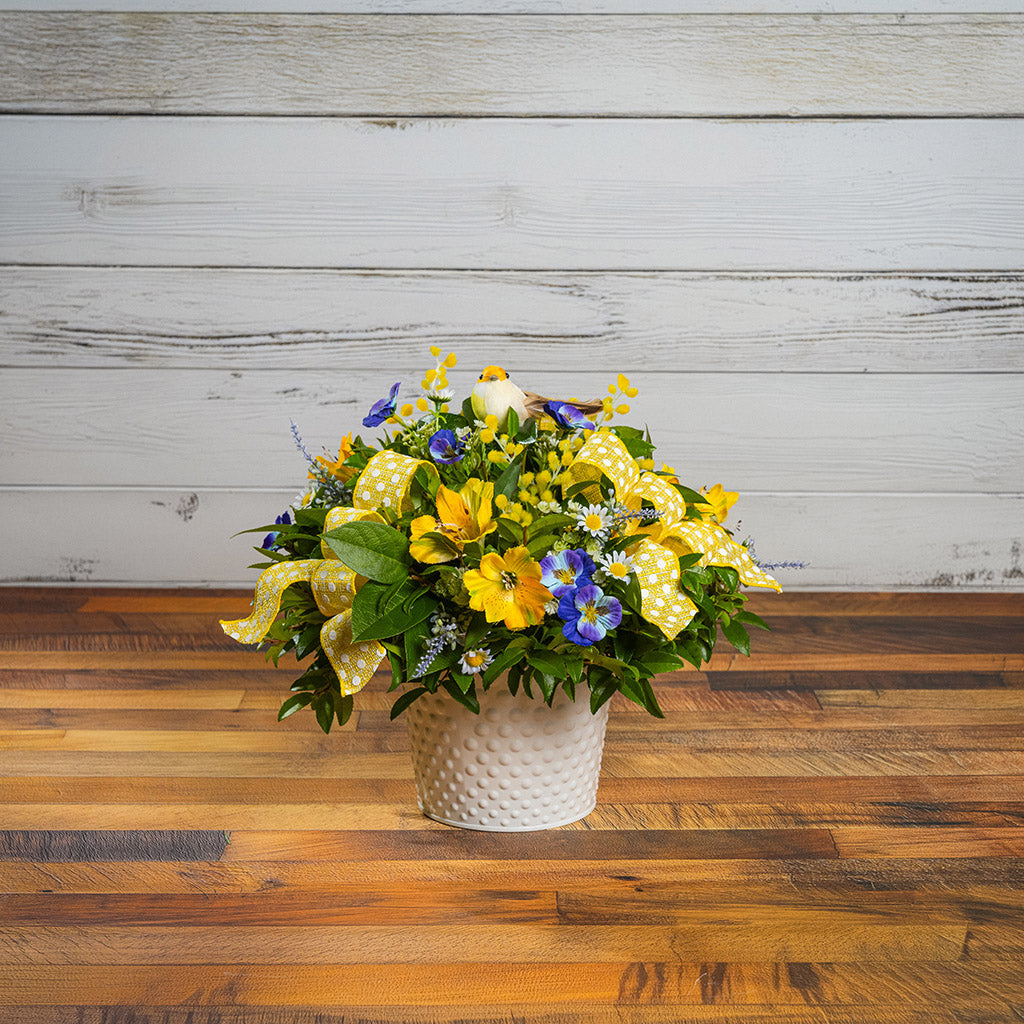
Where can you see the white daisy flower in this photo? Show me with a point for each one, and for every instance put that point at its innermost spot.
(475, 661)
(595, 520)
(615, 565)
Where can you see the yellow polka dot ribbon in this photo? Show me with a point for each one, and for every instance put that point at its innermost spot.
(334, 586)
(385, 482)
(656, 559)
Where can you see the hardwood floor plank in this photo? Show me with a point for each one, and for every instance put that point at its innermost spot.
(636, 984)
(394, 905)
(163, 844)
(872, 841)
(812, 935)
(456, 844)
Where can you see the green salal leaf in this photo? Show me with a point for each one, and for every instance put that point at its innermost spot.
(634, 441)
(639, 691)
(407, 698)
(397, 620)
(467, 411)
(323, 708)
(736, 635)
(655, 662)
(467, 700)
(508, 482)
(343, 709)
(293, 703)
(379, 552)
(690, 560)
(552, 523)
(547, 661)
(602, 687)
(504, 661)
(548, 686)
(512, 424)
(752, 619)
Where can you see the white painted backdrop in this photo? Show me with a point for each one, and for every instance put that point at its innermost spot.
(797, 225)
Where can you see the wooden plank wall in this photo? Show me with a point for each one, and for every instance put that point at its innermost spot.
(797, 226)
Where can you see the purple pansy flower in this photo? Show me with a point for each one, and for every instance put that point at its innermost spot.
(282, 520)
(382, 409)
(564, 571)
(445, 447)
(567, 415)
(588, 613)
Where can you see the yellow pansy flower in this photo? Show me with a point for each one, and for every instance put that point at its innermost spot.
(507, 588)
(464, 516)
(718, 503)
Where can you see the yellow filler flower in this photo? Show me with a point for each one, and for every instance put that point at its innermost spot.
(508, 588)
(336, 467)
(464, 516)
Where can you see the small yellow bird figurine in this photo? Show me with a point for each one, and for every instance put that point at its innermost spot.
(494, 395)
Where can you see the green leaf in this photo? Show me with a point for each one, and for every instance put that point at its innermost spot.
(467, 700)
(553, 523)
(405, 700)
(373, 550)
(396, 621)
(602, 687)
(547, 661)
(343, 709)
(574, 669)
(510, 532)
(307, 641)
(505, 660)
(414, 645)
(292, 704)
(736, 635)
(729, 576)
(323, 707)
(655, 662)
(509, 480)
(548, 686)
(569, 686)
(690, 560)
(512, 424)
(752, 619)
(689, 650)
(467, 411)
(639, 691)
(634, 441)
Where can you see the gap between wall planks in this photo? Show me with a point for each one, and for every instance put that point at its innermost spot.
(514, 194)
(572, 65)
(520, 7)
(920, 541)
(842, 842)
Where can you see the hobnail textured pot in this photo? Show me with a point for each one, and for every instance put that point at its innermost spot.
(518, 766)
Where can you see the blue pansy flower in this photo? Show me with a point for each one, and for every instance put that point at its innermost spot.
(282, 520)
(445, 447)
(588, 613)
(567, 415)
(381, 410)
(564, 571)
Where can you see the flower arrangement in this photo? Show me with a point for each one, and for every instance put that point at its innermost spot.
(519, 536)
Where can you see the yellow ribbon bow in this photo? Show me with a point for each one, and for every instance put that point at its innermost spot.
(384, 483)
(655, 562)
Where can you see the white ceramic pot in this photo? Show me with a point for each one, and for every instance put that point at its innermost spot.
(518, 766)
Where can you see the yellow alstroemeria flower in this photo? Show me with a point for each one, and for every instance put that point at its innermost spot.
(336, 469)
(507, 588)
(463, 516)
(718, 503)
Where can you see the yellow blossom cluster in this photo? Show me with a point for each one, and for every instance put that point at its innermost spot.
(623, 389)
(436, 380)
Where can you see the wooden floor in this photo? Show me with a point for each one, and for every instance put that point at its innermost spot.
(829, 831)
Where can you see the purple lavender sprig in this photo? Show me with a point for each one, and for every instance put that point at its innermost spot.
(298, 444)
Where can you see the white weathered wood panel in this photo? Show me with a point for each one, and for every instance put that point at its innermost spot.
(816, 432)
(600, 65)
(522, 193)
(867, 541)
(307, 319)
(528, 6)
